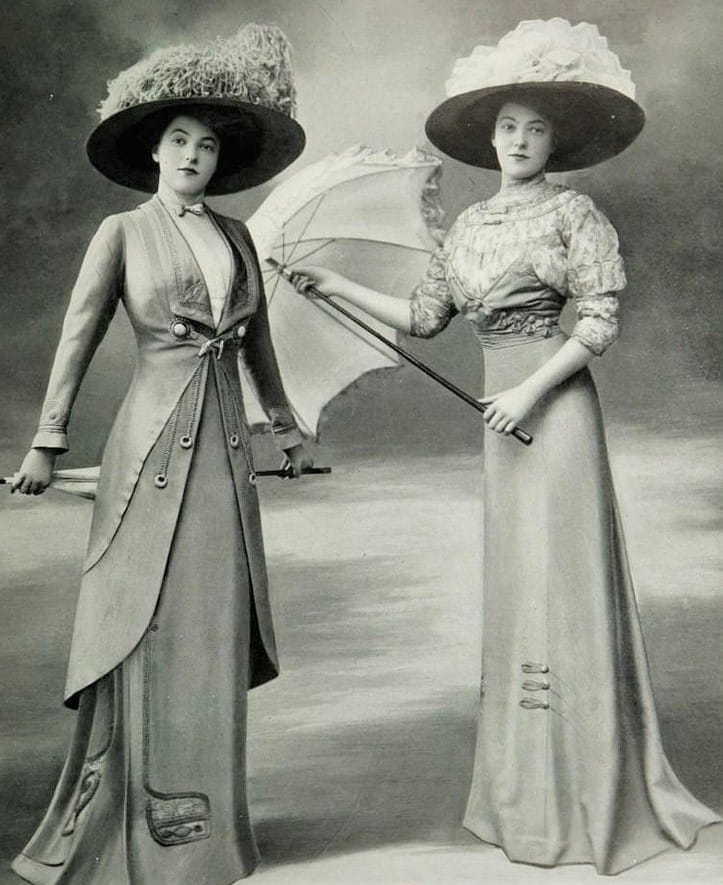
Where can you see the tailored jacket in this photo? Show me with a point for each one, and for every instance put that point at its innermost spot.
(141, 259)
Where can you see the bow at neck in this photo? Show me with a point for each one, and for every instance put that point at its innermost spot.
(194, 209)
(175, 205)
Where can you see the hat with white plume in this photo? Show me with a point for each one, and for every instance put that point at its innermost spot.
(242, 87)
(565, 72)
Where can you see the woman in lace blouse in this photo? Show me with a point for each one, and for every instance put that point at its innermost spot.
(569, 765)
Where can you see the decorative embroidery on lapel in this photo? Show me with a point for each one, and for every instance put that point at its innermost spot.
(246, 287)
(190, 298)
(194, 293)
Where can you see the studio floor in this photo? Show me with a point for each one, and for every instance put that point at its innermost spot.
(360, 754)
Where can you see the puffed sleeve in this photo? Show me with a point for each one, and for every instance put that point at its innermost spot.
(594, 274)
(93, 302)
(432, 306)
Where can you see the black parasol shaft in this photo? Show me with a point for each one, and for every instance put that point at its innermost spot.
(518, 432)
(283, 472)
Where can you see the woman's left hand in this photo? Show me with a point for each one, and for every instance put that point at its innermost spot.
(505, 410)
(296, 460)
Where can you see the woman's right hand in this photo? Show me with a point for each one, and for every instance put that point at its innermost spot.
(328, 282)
(35, 472)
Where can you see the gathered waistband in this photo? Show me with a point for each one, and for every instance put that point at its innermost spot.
(511, 337)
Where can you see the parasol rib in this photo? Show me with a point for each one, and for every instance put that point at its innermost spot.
(284, 271)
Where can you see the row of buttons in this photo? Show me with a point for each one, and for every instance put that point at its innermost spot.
(529, 703)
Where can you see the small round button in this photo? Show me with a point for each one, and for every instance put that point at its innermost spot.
(185, 441)
(233, 440)
(180, 330)
(160, 480)
(252, 478)
(240, 331)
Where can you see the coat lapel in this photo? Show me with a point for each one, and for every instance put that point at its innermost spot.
(245, 289)
(187, 292)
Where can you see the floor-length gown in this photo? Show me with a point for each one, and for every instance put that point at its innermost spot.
(153, 791)
(569, 765)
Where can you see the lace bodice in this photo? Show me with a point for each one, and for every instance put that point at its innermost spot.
(512, 261)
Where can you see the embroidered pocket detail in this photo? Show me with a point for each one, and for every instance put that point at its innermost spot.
(179, 818)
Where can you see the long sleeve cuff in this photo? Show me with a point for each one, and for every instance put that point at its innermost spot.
(287, 439)
(284, 428)
(51, 439)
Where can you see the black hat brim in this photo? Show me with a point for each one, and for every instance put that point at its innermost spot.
(592, 122)
(256, 143)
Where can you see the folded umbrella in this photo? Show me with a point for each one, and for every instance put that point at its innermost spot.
(83, 481)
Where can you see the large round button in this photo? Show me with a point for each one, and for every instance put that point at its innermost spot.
(180, 330)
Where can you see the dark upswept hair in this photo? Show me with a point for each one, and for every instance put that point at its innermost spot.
(570, 115)
(238, 135)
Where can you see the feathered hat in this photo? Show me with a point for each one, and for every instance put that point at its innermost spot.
(245, 84)
(564, 71)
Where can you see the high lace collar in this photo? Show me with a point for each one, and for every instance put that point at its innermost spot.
(523, 190)
(522, 198)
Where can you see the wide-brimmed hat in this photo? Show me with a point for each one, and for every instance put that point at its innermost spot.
(243, 85)
(565, 72)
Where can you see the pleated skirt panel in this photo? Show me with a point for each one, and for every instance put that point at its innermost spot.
(569, 765)
(154, 787)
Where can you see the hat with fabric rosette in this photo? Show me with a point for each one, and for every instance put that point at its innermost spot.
(242, 87)
(563, 71)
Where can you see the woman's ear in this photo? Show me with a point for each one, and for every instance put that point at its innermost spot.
(154, 154)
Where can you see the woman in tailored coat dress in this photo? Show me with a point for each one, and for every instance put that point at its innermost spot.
(569, 765)
(173, 622)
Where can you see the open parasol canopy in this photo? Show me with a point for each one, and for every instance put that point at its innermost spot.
(372, 215)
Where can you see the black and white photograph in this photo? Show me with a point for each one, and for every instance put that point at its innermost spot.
(360, 442)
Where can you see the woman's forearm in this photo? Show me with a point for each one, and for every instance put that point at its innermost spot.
(570, 358)
(387, 309)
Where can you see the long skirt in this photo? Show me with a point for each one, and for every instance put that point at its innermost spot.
(153, 791)
(569, 765)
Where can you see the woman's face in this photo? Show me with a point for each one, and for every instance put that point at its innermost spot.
(523, 139)
(187, 156)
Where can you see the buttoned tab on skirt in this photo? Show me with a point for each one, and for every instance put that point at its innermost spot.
(153, 791)
(569, 765)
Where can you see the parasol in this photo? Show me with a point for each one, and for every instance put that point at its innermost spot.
(376, 217)
(83, 481)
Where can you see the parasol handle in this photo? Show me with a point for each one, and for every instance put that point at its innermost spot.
(518, 432)
(285, 472)
(281, 471)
